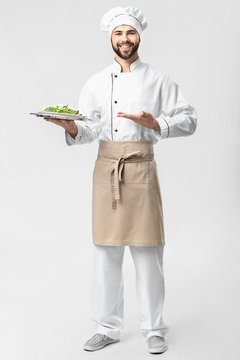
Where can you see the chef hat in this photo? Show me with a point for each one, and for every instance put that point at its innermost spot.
(123, 16)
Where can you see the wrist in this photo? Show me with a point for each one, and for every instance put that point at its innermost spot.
(156, 125)
(72, 130)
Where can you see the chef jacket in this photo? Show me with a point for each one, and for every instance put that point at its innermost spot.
(142, 89)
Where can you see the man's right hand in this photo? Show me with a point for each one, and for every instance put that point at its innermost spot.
(68, 125)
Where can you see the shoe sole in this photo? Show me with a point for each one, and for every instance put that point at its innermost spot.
(89, 348)
(158, 351)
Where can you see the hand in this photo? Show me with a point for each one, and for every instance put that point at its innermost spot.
(143, 118)
(68, 125)
(61, 122)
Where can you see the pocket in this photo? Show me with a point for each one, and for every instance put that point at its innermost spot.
(132, 173)
(136, 172)
(101, 172)
(153, 172)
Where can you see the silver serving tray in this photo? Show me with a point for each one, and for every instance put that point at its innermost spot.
(56, 115)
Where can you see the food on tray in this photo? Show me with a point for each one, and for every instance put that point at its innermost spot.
(62, 109)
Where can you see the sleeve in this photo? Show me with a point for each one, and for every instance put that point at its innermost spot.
(178, 117)
(88, 130)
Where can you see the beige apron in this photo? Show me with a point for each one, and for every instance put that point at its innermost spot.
(126, 198)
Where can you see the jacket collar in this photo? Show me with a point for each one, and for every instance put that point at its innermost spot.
(117, 67)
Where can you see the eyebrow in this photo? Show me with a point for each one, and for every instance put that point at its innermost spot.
(121, 31)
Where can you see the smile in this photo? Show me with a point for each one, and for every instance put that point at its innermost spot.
(125, 46)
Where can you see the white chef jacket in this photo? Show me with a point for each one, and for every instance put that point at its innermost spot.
(142, 89)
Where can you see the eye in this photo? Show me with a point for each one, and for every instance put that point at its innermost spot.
(132, 33)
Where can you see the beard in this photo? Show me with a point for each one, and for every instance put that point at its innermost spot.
(123, 53)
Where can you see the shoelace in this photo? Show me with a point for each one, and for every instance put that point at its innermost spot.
(155, 338)
(97, 337)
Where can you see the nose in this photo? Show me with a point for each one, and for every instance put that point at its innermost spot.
(125, 38)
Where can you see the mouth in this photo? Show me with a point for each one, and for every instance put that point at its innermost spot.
(125, 47)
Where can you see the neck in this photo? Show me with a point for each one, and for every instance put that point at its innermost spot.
(125, 63)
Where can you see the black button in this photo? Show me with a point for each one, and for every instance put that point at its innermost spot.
(116, 129)
(115, 75)
(115, 102)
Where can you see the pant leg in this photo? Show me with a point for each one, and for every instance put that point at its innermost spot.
(150, 288)
(107, 290)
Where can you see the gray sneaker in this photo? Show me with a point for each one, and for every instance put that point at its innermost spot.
(98, 341)
(157, 344)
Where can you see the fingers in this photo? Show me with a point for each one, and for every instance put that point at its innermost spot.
(56, 121)
(121, 114)
(48, 119)
(129, 116)
(132, 116)
(60, 122)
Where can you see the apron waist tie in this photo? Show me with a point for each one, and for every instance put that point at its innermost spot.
(117, 168)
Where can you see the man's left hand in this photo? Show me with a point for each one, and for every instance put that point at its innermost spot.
(143, 118)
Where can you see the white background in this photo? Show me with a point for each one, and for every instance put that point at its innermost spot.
(48, 51)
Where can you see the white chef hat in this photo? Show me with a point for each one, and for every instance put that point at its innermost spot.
(123, 16)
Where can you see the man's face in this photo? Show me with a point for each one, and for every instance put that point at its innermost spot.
(125, 35)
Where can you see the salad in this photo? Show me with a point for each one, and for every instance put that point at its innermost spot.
(61, 109)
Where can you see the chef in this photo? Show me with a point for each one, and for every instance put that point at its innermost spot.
(130, 106)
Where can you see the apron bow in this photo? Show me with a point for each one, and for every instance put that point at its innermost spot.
(116, 174)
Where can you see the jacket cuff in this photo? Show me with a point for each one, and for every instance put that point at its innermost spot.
(164, 128)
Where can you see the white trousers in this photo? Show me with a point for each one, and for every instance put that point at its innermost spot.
(107, 299)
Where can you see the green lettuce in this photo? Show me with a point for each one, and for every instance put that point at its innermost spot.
(61, 109)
